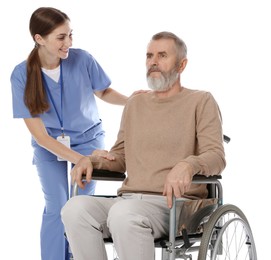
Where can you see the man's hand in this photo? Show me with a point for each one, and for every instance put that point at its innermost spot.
(82, 168)
(178, 181)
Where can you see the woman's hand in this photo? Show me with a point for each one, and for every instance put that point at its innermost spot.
(139, 92)
(82, 168)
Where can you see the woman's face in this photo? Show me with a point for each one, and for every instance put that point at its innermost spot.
(57, 43)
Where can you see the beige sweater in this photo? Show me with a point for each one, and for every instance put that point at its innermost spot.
(155, 134)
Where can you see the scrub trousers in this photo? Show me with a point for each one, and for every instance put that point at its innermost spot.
(132, 220)
(55, 186)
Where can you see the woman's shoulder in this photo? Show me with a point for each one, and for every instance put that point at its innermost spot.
(19, 68)
(77, 53)
(21, 65)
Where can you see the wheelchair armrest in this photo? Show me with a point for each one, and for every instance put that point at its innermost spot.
(215, 180)
(199, 177)
(102, 175)
(106, 175)
(202, 179)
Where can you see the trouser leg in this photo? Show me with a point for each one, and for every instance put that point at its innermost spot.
(53, 179)
(134, 224)
(54, 182)
(84, 218)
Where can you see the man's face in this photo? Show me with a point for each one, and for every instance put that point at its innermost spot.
(161, 63)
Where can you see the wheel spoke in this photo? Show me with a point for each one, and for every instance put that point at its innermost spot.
(227, 236)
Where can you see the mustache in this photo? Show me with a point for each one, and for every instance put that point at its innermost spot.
(153, 69)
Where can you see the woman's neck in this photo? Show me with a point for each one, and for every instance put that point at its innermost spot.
(47, 62)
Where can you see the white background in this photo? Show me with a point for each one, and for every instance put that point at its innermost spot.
(229, 55)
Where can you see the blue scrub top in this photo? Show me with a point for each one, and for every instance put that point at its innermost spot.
(82, 75)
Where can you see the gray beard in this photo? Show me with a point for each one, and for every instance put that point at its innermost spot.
(164, 83)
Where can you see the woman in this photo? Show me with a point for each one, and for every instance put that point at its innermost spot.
(54, 92)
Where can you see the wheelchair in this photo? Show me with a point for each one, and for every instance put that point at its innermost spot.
(206, 229)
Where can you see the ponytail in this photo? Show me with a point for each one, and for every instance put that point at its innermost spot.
(35, 96)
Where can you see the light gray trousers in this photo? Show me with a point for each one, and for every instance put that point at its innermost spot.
(132, 220)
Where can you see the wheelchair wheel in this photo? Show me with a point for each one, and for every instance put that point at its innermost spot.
(227, 235)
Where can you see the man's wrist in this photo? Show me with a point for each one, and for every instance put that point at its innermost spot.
(90, 158)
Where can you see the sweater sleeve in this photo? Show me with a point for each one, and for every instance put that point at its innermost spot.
(117, 151)
(209, 158)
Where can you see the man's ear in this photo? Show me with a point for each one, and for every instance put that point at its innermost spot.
(182, 65)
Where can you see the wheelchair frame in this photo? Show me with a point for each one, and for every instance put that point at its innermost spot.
(220, 231)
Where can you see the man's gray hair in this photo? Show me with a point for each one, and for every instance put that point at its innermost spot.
(180, 44)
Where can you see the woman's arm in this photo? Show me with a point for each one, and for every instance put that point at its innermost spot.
(111, 96)
(39, 133)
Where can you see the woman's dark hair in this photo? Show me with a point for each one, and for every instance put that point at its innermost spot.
(43, 21)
